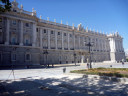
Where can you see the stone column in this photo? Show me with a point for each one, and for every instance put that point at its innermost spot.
(56, 39)
(105, 48)
(41, 38)
(118, 45)
(48, 39)
(114, 44)
(79, 41)
(102, 45)
(62, 41)
(21, 33)
(7, 32)
(34, 35)
(83, 43)
(98, 44)
(121, 45)
(68, 41)
(122, 49)
(74, 41)
(95, 44)
(101, 41)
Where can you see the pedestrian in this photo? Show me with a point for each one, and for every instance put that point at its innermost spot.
(64, 70)
(52, 65)
(88, 65)
(123, 62)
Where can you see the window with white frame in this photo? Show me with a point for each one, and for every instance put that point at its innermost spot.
(27, 57)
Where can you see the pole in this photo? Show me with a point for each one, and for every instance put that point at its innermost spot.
(90, 53)
(75, 60)
(46, 59)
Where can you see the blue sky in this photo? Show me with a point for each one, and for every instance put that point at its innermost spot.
(104, 15)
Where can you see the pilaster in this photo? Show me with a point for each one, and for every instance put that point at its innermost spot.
(56, 39)
(62, 41)
(21, 33)
(34, 35)
(48, 39)
(79, 41)
(74, 40)
(68, 41)
(7, 32)
(41, 38)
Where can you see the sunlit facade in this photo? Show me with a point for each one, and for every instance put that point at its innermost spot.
(26, 39)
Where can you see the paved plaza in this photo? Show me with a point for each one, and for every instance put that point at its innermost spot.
(53, 82)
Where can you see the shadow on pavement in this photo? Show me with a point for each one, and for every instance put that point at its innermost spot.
(83, 86)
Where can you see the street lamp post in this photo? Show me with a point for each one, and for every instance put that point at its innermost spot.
(46, 53)
(75, 58)
(89, 44)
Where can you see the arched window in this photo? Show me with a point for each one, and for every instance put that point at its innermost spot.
(27, 57)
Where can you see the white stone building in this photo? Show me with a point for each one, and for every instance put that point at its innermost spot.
(26, 39)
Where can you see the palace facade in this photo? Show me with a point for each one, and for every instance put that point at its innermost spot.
(26, 39)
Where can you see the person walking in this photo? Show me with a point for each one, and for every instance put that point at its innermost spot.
(87, 63)
(122, 62)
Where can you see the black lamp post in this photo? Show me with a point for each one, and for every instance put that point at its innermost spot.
(75, 58)
(46, 53)
(89, 44)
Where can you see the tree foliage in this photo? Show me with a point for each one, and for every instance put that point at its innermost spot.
(5, 5)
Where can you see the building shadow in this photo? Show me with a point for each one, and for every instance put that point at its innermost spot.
(83, 86)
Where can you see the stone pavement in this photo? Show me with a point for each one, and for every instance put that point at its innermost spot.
(53, 82)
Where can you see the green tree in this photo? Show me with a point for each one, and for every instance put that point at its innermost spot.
(5, 5)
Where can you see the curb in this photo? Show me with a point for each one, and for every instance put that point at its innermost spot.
(113, 79)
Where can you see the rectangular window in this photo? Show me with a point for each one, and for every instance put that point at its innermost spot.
(64, 34)
(36, 29)
(27, 24)
(44, 30)
(0, 19)
(51, 32)
(14, 10)
(13, 57)
(70, 35)
(13, 40)
(58, 33)
(14, 22)
(26, 42)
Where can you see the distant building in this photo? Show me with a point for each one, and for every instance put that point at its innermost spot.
(26, 39)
